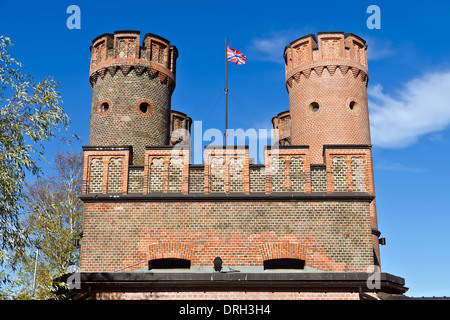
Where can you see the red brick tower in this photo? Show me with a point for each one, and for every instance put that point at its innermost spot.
(327, 84)
(326, 80)
(132, 87)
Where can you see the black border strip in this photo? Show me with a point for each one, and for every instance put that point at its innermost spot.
(217, 197)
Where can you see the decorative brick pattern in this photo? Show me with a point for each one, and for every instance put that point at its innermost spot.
(278, 170)
(297, 174)
(105, 170)
(196, 180)
(136, 180)
(96, 175)
(349, 169)
(365, 168)
(318, 179)
(339, 172)
(166, 170)
(358, 174)
(257, 179)
(227, 170)
(287, 169)
(175, 174)
(236, 171)
(217, 175)
(157, 175)
(115, 172)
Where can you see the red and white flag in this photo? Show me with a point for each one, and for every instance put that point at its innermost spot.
(235, 56)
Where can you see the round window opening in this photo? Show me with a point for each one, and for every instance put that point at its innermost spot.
(352, 105)
(104, 107)
(314, 107)
(144, 107)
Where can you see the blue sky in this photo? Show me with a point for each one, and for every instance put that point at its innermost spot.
(409, 91)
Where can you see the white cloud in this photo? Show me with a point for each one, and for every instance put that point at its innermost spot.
(270, 47)
(394, 166)
(377, 48)
(421, 107)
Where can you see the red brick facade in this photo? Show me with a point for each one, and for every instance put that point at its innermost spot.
(247, 230)
(312, 201)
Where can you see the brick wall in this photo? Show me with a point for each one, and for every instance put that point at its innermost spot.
(257, 178)
(318, 178)
(335, 235)
(196, 179)
(136, 180)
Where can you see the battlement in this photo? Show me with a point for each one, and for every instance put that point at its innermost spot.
(180, 126)
(346, 171)
(282, 123)
(122, 50)
(330, 51)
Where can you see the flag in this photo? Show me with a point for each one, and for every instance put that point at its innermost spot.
(235, 56)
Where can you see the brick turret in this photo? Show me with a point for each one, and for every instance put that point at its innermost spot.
(282, 123)
(132, 87)
(326, 79)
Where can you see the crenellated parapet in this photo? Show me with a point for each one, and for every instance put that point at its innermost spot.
(106, 169)
(282, 126)
(329, 52)
(286, 170)
(226, 169)
(349, 168)
(166, 170)
(123, 51)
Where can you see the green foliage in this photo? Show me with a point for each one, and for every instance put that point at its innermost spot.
(52, 220)
(30, 115)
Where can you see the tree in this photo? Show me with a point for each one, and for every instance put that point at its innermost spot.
(52, 220)
(30, 115)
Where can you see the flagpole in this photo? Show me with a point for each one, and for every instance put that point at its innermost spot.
(226, 93)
